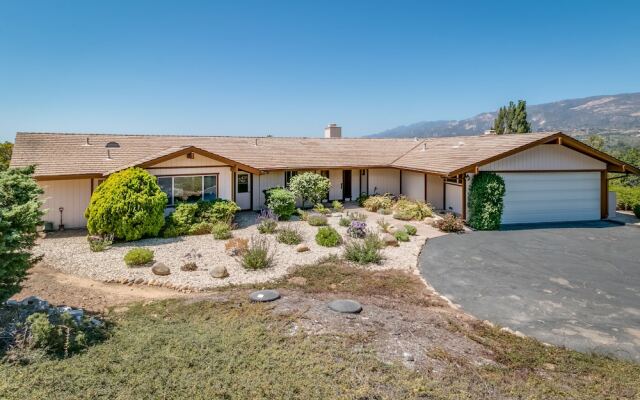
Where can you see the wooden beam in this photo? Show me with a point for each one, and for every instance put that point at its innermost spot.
(444, 194)
(464, 197)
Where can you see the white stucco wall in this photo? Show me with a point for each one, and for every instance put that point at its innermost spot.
(545, 157)
(413, 185)
(73, 195)
(384, 180)
(454, 198)
(434, 191)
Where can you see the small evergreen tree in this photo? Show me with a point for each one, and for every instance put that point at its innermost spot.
(5, 155)
(512, 119)
(20, 216)
(486, 201)
(310, 186)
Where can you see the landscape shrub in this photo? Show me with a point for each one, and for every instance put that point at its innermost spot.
(374, 203)
(216, 210)
(357, 229)
(401, 236)
(384, 225)
(221, 230)
(236, 246)
(384, 211)
(344, 221)
(201, 228)
(316, 220)
(267, 221)
(357, 216)
(138, 256)
(636, 210)
(626, 196)
(361, 199)
(184, 215)
(282, 202)
(411, 230)
(321, 209)
(303, 214)
(449, 223)
(100, 243)
(310, 186)
(289, 235)
(365, 251)
(328, 237)
(337, 206)
(258, 255)
(409, 209)
(486, 201)
(171, 231)
(129, 205)
(20, 215)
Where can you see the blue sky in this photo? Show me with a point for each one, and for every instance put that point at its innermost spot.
(289, 68)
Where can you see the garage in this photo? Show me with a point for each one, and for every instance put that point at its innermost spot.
(551, 197)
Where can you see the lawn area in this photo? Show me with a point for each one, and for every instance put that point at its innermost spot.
(224, 347)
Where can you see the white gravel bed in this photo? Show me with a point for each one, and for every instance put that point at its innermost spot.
(69, 252)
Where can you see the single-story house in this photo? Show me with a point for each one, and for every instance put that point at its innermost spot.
(549, 176)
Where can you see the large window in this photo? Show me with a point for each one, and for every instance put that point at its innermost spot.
(189, 189)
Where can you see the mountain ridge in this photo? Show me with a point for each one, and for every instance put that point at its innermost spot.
(605, 114)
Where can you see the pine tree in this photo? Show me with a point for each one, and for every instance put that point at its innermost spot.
(512, 119)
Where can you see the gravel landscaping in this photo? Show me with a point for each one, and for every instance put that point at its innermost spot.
(69, 252)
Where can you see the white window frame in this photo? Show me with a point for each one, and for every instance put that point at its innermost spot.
(172, 202)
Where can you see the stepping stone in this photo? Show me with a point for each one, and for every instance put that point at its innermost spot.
(264, 296)
(345, 306)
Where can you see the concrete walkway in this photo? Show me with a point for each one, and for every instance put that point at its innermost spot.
(576, 285)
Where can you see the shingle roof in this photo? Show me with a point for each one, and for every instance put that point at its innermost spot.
(63, 154)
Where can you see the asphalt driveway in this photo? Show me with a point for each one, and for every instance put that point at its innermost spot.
(573, 285)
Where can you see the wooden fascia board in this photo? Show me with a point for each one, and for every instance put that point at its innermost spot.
(66, 177)
(205, 153)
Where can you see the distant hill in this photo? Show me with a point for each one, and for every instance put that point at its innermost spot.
(614, 114)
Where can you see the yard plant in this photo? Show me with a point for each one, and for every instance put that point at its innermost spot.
(316, 220)
(449, 223)
(221, 230)
(20, 215)
(138, 256)
(486, 201)
(267, 221)
(310, 187)
(258, 254)
(328, 237)
(129, 204)
(289, 235)
(365, 251)
(282, 202)
(374, 203)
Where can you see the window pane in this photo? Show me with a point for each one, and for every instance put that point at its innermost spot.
(243, 183)
(165, 185)
(187, 188)
(210, 187)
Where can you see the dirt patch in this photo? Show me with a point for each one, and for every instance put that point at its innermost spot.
(59, 288)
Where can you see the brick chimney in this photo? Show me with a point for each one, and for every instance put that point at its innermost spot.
(332, 131)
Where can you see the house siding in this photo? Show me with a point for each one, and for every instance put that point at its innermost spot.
(413, 185)
(454, 198)
(263, 182)
(546, 157)
(384, 180)
(435, 188)
(73, 194)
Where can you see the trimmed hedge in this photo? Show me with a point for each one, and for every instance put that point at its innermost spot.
(486, 201)
(129, 205)
(282, 202)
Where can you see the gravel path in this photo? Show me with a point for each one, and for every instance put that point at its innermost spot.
(69, 252)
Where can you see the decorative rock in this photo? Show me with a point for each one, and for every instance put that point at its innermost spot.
(264, 295)
(429, 220)
(139, 281)
(219, 271)
(389, 240)
(160, 269)
(345, 306)
(297, 280)
(301, 248)
(12, 303)
(35, 302)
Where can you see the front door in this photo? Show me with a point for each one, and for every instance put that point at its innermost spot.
(346, 184)
(243, 190)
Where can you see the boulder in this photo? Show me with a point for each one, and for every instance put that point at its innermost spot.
(389, 240)
(301, 248)
(219, 271)
(159, 268)
(429, 220)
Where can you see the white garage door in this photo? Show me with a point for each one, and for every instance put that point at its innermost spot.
(551, 197)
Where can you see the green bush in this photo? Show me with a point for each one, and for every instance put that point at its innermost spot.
(401, 236)
(361, 199)
(170, 231)
(636, 210)
(486, 201)
(310, 186)
(258, 255)
(100, 243)
(221, 230)
(411, 230)
(626, 196)
(344, 221)
(303, 214)
(20, 215)
(321, 209)
(449, 223)
(337, 206)
(374, 203)
(384, 225)
(384, 211)
(129, 204)
(328, 237)
(268, 226)
(201, 228)
(138, 256)
(184, 215)
(216, 210)
(289, 235)
(316, 220)
(282, 202)
(409, 209)
(364, 251)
